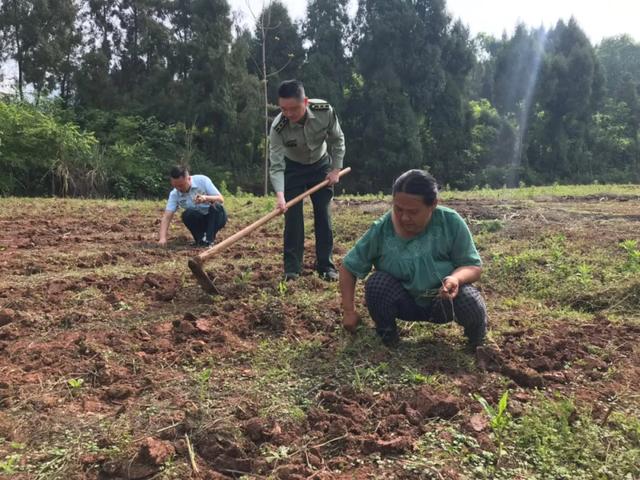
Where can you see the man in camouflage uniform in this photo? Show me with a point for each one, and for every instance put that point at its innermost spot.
(306, 147)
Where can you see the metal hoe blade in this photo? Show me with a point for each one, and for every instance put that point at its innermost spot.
(202, 278)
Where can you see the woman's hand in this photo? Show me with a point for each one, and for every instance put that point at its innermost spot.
(350, 320)
(450, 288)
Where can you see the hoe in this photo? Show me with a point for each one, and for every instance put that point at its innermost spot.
(196, 263)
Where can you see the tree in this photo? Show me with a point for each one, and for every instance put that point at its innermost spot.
(620, 60)
(411, 54)
(41, 37)
(282, 44)
(381, 125)
(242, 135)
(449, 115)
(13, 14)
(143, 56)
(492, 141)
(93, 82)
(568, 95)
(326, 70)
(277, 54)
(200, 66)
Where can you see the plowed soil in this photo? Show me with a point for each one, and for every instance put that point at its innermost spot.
(115, 365)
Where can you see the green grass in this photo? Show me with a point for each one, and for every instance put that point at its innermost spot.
(552, 439)
(520, 193)
(553, 191)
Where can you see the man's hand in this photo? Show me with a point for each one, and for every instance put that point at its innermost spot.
(450, 288)
(350, 320)
(281, 203)
(333, 176)
(162, 242)
(202, 199)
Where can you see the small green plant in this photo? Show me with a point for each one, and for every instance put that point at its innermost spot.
(370, 376)
(556, 246)
(203, 378)
(75, 384)
(488, 226)
(122, 306)
(584, 275)
(10, 463)
(57, 462)
(282, 288)
(498, 418)
(633, 254)
(274, 455)
(414, 377)
(242, 280)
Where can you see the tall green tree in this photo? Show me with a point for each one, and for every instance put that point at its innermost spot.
(94, 84)
(381, 125)
(41, 37)
(569, 93)
(142, 65)
(283, 51)
(411, 54)
(13, 15)
(242, 135)
(449, 115)
(327, 69)
(277, 54)
(200, 62)
(620, 60)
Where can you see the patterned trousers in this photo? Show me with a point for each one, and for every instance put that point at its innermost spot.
(387, 300)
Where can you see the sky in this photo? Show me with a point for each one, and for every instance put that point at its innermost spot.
(598, 19)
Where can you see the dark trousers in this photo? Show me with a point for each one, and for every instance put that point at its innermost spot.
(387, 300)
(297, 179)
(204, 227)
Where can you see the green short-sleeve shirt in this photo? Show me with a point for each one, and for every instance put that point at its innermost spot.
(421, 262)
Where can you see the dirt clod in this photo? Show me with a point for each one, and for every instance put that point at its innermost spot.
(156, 452)
(431, 405)
(394, 445)
(6, 316)
(119, 392)
(523, 376)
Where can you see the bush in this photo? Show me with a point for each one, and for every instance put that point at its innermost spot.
(39, 154)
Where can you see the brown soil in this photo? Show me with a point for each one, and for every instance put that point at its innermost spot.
(85, 295)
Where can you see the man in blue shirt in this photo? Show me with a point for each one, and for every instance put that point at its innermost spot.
(203, 213)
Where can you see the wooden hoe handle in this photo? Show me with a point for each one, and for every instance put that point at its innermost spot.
(210, 252)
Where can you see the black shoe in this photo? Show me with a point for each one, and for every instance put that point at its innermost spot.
(476, 335)
(205, 243)
(329, 275)
(290, 276)
(390, 339)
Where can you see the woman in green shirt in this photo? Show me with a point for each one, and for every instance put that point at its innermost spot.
(425, 262)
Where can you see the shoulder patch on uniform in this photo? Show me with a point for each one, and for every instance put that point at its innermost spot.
(281, 124)
(319, 106)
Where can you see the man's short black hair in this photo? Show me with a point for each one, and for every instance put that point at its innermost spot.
(291, 89)
(179, 171)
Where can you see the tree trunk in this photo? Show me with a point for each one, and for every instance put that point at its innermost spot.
(266, 111)
(19, 58)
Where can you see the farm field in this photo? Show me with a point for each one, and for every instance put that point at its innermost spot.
(114, 364)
